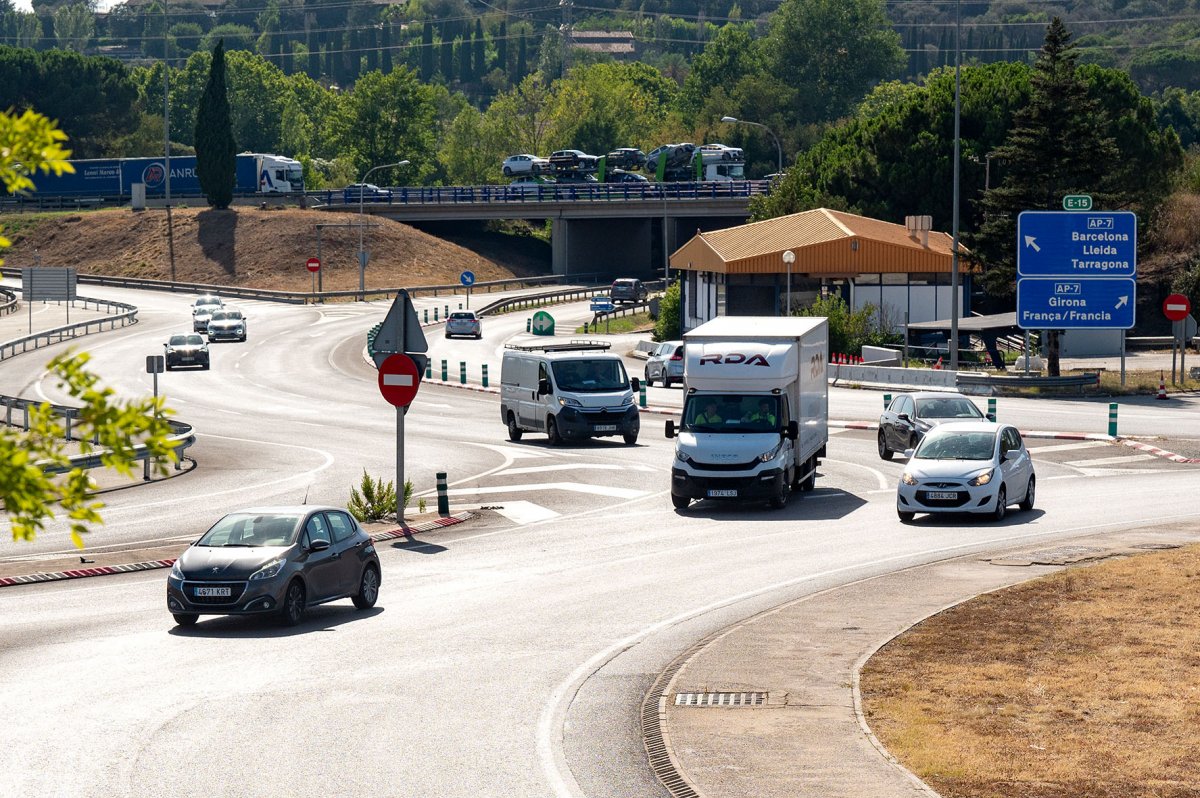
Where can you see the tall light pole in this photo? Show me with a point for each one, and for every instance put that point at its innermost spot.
(789, 258)
(167, 141)
(778, 149)
(954, 309)
(362, 253)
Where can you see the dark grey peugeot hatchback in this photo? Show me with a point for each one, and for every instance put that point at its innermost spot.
(274, 559)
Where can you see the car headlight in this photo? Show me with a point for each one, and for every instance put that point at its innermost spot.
(567, 401)
(983, 478)
(176, 571)
(908, 479)
(268, 571)
(769, 455)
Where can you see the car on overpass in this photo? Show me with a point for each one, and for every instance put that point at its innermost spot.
(365, 192)
(524, 164)
(530, 184)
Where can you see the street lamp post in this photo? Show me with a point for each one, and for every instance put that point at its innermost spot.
(778, 149)
(362, 253)
(789, 258)
(954, 302)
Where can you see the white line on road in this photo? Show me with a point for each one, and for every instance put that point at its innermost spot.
(1066, 447)
(883, 481)
(574, 466)
(576, 487)
(523, 512)
(1103, 461)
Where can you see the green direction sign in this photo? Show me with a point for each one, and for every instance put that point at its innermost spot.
(1077, 202)
(542, 324)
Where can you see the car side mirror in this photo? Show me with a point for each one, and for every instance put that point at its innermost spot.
(318, 545)
(792, 431)
(543, 387)
(908, 453)
(635, 384)
(903, 417)
(670, 428)
(991, 416)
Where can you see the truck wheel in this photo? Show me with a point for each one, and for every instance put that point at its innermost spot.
(779, 500)
(680, 502)
(810, 482)
(630, 438)
(552, 432)
(514, 432)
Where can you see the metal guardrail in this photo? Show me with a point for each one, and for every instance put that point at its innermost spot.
(183, 435)
(536, 300)
(299, 297)
(1020, 381)
(125, 315)
(8, 301)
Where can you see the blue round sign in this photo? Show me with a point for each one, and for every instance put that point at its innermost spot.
(467, 278)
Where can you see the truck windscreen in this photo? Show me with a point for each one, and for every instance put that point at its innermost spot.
(590, 376)
(731, 412)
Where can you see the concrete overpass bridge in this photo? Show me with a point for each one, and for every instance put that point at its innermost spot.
(617, 229)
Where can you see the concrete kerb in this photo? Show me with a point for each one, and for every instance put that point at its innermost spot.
(149, 565)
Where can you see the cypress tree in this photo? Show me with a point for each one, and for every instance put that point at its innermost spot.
(522, 62)
(462, 58)
(385, 43)
(215, 148)
(479, 62)
(427, 53)
(502, 47)
(447, 65)
(314, 56)
(372, 48)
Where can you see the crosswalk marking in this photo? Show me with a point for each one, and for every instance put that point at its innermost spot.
(1104, 461)
(576, 487)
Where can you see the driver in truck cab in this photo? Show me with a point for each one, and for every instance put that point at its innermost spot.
(763, 415)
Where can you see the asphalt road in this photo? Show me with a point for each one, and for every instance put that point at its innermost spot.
(507, 656)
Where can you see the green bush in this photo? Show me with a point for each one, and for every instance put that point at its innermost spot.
(667, 326)
(374, 499)
(850, 331)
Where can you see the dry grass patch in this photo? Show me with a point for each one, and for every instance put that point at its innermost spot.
(1084, 683)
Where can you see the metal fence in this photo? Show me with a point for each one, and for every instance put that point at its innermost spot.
(8, 301)
(120, 315)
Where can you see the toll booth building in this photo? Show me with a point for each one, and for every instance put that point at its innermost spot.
(744, 271)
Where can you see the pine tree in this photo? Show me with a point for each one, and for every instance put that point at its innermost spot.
(216, 151)
(1056, 146)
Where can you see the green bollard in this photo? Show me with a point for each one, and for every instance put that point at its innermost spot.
(426, 315)
(462, 372)
(443, 499)
(445, 372)
(447, 311)
(642, 395)
(1112, 419)
(485, 380)
(887, 400)
(528, 325)
(992, 408)
(435, 318)
(429, 369)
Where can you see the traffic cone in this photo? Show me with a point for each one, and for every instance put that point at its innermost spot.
(1162, 387)
(938, 364)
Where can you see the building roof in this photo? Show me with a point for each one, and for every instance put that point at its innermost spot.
(824, 242)
(616, 42)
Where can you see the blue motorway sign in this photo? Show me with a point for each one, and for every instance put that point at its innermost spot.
(1066, 304)
(602, 304)
(467, 278)
(1077, 244)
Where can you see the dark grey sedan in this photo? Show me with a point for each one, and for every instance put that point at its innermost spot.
(911, 415)
(279, 560)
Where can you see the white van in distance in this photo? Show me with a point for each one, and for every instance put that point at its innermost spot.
(756, 415)
(568, 391)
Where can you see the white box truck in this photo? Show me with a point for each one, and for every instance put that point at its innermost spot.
(756, 413)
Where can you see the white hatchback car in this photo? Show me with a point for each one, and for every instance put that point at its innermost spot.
(967, 467)
(525, 164)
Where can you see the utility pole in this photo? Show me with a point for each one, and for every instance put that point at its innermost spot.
(567, 7)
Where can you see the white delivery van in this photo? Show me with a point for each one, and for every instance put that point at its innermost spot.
(756, 414)
(568, 391)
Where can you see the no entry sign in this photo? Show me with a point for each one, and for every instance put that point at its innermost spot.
(313, 264)
(1176, 307)
(399, 380)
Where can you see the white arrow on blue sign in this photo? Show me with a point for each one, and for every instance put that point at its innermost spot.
(1086, 244)
(1065, 304)
(467, 278)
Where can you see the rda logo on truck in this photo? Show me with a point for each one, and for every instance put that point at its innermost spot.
(153, 175)
(735, 358)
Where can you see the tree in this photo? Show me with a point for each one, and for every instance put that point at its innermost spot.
(667, 325)
(386, 119)
(725, 60)
(479, 60)
(216, 151)
(73, 26)
(830, 52)
(472, 148)
(427, 54)
(29, 144)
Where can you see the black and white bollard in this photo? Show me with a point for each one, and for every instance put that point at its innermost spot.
(443, 499)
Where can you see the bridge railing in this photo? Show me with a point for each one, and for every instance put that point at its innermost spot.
(549, 192)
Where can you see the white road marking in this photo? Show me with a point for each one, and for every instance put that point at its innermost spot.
(883, 481)
(574, 466)
(511, 452)
(523, 512)
(1104, 461)
(575, 487)
(1066, 447)
(1109, 472)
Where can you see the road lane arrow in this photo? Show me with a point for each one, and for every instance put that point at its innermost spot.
(1030, 241)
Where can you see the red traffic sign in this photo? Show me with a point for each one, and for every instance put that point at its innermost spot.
(313, 264)
(399, 380)
(1176, 307)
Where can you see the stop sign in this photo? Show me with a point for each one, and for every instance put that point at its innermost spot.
(313, 264)
(1176, 307)
(399, 380)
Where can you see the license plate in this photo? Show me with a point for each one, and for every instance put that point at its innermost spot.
(187, 358)
(214, 591)
(606, 428)
(941, 495)
(722, 494)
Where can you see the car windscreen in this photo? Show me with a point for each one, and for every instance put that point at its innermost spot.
(952, 407)
(222, 315)
(731, 412)
(252, 529)
(957, 446)
(185, 340)
(590, 375)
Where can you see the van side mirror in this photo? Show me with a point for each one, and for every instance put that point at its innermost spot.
(793, 431)
(670, 428)
(635, 384)
(543, 387)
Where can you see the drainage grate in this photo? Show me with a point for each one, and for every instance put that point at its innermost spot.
(720, 699)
